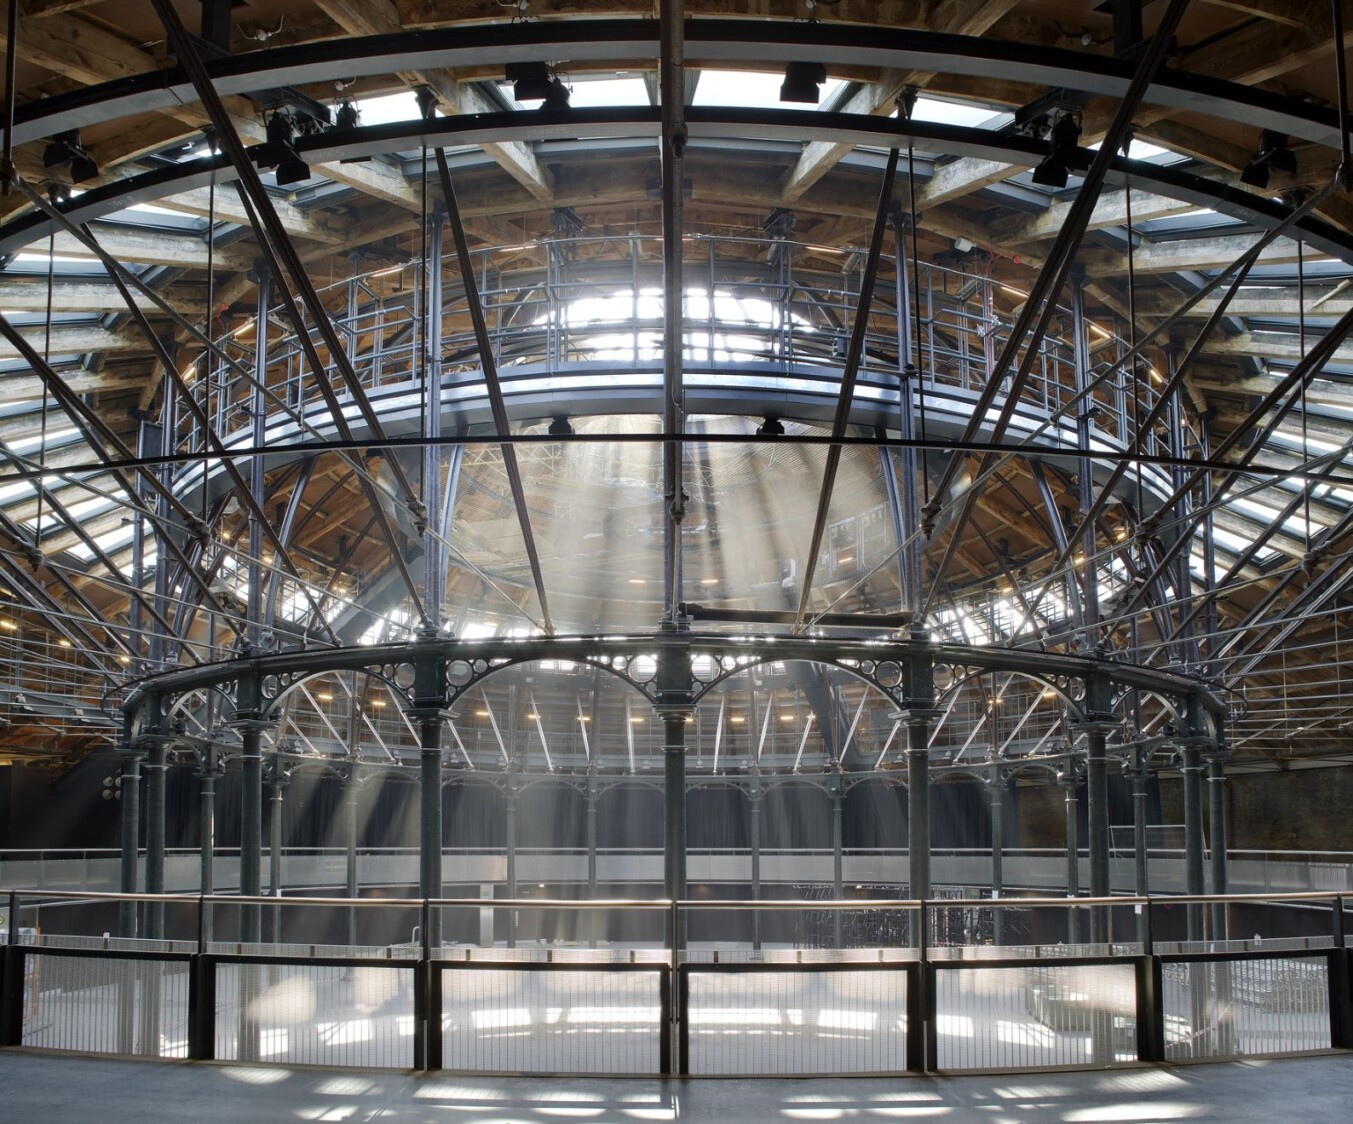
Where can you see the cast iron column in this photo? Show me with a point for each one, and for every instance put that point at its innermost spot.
(430, 817)
(251, 828)
(996, 793)
(1191, 767)
(1097, 796)
(674, 795)
(591, 798)
(1073, 863)
(206, 839)
(131, 839)
(1216, 807)
(1141, 882)
(754, 799)
(510, 800)
(838, 856)
(350, 789)
(156, 766)
(275, 785)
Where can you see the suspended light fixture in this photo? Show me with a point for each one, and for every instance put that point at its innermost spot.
(1273, 155)
(1054, 168)
(66, 148)
(802, 80)
(771, 427)
(531, 81)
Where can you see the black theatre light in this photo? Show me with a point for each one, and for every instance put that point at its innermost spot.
(66, 148)
(771, 427)
(530, 80)
(1053, 169)
(1273, 154)
(347, 116)
(802, 80)
(279, 151)
(560, 427)
(557, 97)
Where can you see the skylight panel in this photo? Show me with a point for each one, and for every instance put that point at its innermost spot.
(604, 93)
(963, 114)
(382, 110)
(747, 89)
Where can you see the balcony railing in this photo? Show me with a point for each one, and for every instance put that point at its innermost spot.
(572, 986)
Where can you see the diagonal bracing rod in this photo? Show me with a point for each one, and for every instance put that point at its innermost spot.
(1042, 301)
(274, 244)
(854, 353)
(672, 89)
(489, 365)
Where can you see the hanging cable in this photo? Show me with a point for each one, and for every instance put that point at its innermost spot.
(260, 323)
(1305, 445)
(905, 104)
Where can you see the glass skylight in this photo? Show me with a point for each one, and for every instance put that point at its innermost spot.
(746, 89)
(964, 114)
(601, 93)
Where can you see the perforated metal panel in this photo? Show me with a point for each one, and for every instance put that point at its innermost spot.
(821, 1021)
(1029, 1017)
(106, 1005)
(1246, 1007)
(314, 1014)
(523, 1020)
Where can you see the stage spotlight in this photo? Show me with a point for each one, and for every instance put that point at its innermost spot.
(347, 116)
(530, 80)
(560, 427)
(771, 427)
(1273, 155)
(557, 95)
(66, 148)
(1054, 168)
(802, 80)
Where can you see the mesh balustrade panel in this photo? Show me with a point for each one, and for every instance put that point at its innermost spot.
(812, 1022)
(315, 1014)
(106, 1005)
(1246, 1007)
(524, 1020)
(1031, 1017)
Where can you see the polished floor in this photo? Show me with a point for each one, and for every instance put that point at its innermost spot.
(46, 1089)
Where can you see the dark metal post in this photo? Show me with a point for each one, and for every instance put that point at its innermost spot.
(1216, 789)
(918, 810)
(1191, 767)
(996, 794)
(131, 841)
(1097, 795)
(510, 811)
(1073, 861)
(251, 828)
(275, 785)
(838, 849)
(430, 819)
(594, 916)
(206, 841)
(350, 790)
(433, 551)
(1216, 806)
(674, 867)
(155, 813)
(1141, 883)
(754, 801)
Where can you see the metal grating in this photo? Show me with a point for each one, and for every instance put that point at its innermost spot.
(815, 1022)
(1031, 1017)
(106, 1005)
(1246, 1007)
(315, 1014)
(523, 1020)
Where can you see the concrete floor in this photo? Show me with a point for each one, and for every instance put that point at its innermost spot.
(45, 1089)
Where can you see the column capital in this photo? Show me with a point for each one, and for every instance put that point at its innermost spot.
(917, 715)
